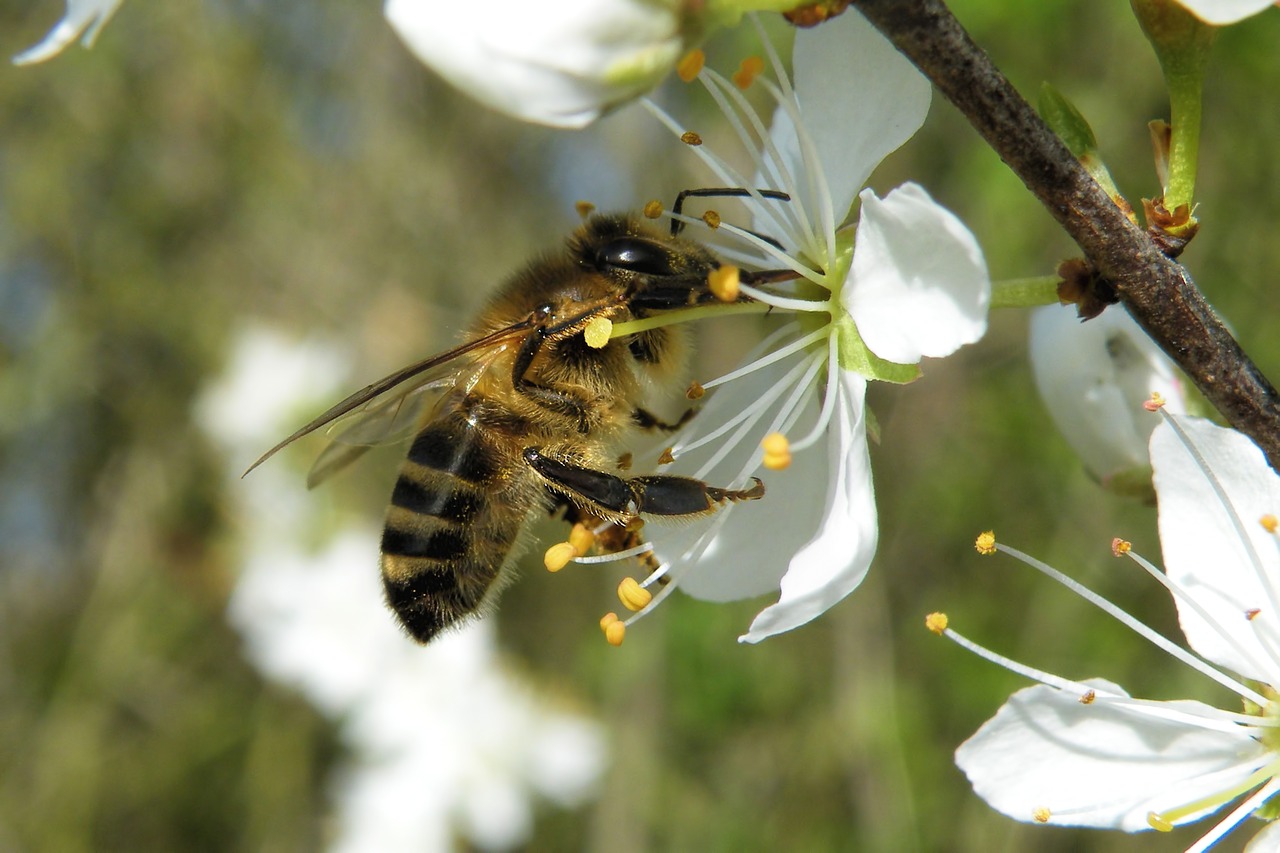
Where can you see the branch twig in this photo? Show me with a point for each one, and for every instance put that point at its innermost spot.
(1157, 291)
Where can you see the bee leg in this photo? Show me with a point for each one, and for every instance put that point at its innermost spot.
(556, 401)
(651, 495)
(645, 419)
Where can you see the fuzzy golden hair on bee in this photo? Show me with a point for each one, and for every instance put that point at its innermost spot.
(527, 417)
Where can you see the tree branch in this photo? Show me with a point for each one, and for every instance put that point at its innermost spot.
(1157, 291)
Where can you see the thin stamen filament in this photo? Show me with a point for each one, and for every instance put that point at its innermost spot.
(1242, 811)
(761, 402)
(612, 556)
(684, 315)
(777, 355)
(1137, 626)
(828, 401)
(1185, 598)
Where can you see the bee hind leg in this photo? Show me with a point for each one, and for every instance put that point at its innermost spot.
(661, 494)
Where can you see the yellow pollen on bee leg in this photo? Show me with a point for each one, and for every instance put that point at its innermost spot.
(560, 555)
(1120, 547)
(633, 596)
(985, 543)
(584, 208)
(1156, 403)
(597, 332)
(724, 282)
(690, 65)
(690, 138)
(1269, 523)
(777, 452)
(1041, 814)
(581, 538)
(1158, 823)
(748, 71)
(652, 209)
(936, 622)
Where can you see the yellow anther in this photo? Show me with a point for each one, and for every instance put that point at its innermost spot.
(691, 64)
(1120, 547)
(653, 209)
(615, 633)
(936, 622)
(1269, 523)
(1158, 823)
(1156, 403)
(1041, 814)
(666, 457)
(748, 71)
(584, 208)
(1253, 613)
(581, 539)
(695, 391)
(986, 543)
(607, 620)
(1088, 697)
(559, 555)
(597, 332)
(633, 596)
(724, 281)
(712, 219)
(777, 451)
(690, 138)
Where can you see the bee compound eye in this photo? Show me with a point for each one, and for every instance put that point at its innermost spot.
(636, 255)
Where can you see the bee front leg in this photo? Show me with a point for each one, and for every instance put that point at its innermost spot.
(615, 496)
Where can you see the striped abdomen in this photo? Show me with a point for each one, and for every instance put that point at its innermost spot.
(446, 540)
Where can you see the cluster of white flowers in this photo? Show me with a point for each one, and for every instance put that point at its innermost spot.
(444, 741)
(1086, 753)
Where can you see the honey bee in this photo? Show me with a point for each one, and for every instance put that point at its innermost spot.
(525, 417)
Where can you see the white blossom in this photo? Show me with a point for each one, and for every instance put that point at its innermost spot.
(560, 63)
(1094, 378)
(1088, 754)
(866, 304)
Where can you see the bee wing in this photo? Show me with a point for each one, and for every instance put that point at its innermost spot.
(383, 420)
(428, 373)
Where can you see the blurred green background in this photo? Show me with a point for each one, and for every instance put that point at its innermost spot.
(210, 167)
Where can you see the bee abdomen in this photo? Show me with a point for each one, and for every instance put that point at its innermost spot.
(444, 544)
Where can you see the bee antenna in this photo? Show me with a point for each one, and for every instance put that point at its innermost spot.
(720, 192)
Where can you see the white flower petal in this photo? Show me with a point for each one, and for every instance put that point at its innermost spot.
(919, 284)
(561, 64)
(836, 560)
(740, 562)
(1098, 764)
(1221, 12)
(1219, 552)
(1094, 377)
(83, 16)
(861, 100)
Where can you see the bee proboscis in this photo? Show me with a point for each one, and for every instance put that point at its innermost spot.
(526, 416)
